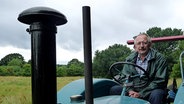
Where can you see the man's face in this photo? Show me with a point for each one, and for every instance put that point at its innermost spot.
(142, 45)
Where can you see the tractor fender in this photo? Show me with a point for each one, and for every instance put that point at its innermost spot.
(101, 87)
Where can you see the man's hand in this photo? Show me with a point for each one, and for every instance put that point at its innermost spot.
(134, 94)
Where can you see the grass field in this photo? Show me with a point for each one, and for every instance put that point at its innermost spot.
(17, 90)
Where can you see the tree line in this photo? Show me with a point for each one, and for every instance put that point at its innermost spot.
(14, 64)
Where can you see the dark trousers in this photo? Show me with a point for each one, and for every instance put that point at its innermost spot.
(156, 97)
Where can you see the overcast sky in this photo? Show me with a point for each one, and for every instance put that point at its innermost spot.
(112, 21)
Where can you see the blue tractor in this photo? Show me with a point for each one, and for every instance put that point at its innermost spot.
(77, 92)
(74, 92)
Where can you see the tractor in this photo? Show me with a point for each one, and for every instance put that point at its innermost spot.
(74, 92)
(91, 90)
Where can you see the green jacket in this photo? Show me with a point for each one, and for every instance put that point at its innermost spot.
(157, 71)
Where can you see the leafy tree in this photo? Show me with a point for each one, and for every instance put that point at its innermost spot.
(3, 71)
(176, 73)
(61, 70)
(15, 62)
(75, 68)
(164, 47)
(26, 70)
(5, 60)
(167, 48)
(179, 49)
(10, 70)
(103, 59)
(29, 61)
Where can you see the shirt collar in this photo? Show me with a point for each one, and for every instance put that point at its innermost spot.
(147, 56)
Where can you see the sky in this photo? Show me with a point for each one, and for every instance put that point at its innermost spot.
(112, 22)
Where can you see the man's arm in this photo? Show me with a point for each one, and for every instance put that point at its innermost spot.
(160, 79)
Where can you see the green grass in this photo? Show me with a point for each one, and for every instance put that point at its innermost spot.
(177, 80)
(17, 90)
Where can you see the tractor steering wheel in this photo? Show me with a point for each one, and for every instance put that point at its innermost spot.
(136, 80)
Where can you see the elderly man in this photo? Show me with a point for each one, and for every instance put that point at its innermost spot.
(154, 64)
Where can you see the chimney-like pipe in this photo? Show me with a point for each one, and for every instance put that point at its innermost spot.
(87, 55)
(43, 22)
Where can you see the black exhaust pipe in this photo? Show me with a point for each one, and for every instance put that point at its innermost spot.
(87, 55)
(43, 22)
